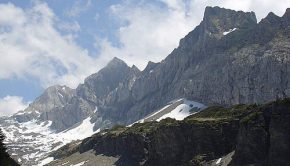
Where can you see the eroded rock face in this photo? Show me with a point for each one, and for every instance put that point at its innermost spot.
(263, 137)
(53, 97)
(248, 65)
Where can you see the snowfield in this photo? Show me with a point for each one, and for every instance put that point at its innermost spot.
(30, 142)
(176, 109)
(183, 110)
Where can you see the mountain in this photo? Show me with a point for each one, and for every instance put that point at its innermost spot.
(227, 59)
(239, 135)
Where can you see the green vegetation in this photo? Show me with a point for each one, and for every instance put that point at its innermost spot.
(218, 112)
(251, 117)
(197, 160)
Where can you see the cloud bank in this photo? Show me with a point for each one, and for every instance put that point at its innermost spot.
(30, 46)
(11, 104)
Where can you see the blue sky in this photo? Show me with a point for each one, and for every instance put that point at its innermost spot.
(43, 43)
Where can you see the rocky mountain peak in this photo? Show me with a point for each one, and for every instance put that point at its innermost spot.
(54, 96)
(272, 19)
(135, 68)
(287, 13)
(150, 66)
(116, 62)
(217, 20)
(286, 17)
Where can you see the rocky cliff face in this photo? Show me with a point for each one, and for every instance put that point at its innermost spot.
(109, 86)
(228, 59)
(52, 98)
(263, 136)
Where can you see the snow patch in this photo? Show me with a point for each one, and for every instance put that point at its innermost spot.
(180, 112)
(80, 164)
(65, 163)
(46, 161)
(82, 131)
(218, 161)
(96, 109)
(229, 31)
(183, 110)
(34, 139)
(60, 94)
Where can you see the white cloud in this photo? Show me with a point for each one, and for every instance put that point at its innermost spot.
(11, 104)
(149, 32)
(30, 46)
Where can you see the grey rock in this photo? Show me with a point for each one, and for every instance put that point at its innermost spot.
(248, 65)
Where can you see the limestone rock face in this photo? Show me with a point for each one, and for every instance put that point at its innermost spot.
(53, 97)
(248, 64)
(228, 59)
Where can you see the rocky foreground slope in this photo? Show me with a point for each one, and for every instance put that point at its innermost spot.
(238, 135)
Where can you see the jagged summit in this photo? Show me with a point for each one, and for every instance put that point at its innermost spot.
(272, 19)
(286, 17)
(135, 68)
(150, 66)
(287, 13)
(116, 62)
(217, 20)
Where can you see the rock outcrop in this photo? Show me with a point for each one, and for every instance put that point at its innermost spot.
(258, 135)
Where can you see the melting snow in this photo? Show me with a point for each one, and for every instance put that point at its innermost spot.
(35, 140)
(65, 163)
(183, 110)
(96, 109)
(46, 161)
(231, 30)
(80, 164)
(59, 94)
(82, 131)
(218, 161)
